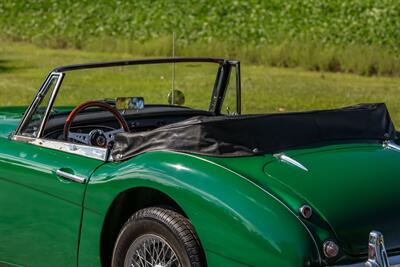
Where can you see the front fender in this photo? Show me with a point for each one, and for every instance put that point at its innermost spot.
(234, 218)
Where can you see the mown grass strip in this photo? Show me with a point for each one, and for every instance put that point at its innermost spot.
(265, 89)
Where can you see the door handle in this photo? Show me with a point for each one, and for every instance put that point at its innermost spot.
(71, 177)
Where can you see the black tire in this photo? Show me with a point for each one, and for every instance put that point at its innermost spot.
(169, 225)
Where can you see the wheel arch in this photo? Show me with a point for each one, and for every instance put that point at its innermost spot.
(124, 205)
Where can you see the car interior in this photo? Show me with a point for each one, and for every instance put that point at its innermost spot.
(90, 120)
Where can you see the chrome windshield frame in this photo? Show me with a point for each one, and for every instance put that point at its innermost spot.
(37, 100)
(220, 87)
(221, 81)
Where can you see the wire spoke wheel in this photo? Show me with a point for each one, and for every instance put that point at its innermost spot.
(150, 250)
(157, 237)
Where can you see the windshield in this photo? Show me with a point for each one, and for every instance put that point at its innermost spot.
(192, 82)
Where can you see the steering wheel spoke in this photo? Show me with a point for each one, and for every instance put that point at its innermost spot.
(111, 134)
(80, 137)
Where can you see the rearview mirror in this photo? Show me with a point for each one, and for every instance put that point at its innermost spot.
(176, 97)
(124, 103)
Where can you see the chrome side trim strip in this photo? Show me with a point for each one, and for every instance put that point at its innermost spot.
(287, 159)
(72, 177)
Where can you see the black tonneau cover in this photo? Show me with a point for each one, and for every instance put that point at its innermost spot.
(246, 135)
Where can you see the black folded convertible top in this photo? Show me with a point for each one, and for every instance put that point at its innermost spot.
(245, 135)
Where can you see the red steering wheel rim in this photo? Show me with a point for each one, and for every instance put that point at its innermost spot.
(98, 104)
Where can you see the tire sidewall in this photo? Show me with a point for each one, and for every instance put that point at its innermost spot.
(142, 226)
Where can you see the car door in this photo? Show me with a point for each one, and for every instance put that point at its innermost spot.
(41, 194)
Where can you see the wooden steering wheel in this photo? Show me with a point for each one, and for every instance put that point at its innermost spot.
(96, 137)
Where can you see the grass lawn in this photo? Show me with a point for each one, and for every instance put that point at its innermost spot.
(24, 66)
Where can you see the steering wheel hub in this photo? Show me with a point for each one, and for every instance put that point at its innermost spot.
(97, 137)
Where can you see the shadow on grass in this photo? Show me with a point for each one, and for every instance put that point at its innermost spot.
(4, 66)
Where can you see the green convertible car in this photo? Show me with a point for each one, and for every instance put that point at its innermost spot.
(116, 165)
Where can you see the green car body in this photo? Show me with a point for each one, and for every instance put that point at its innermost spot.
(245, 210)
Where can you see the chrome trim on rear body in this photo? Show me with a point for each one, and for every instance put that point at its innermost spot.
(393, 262)
(306, 211)
(391, 145)
(377, 256)
(291, 161)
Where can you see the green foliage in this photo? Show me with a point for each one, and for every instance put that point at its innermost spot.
(324, 21)
(358, 36)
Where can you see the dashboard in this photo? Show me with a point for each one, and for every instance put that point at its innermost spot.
(138, 121)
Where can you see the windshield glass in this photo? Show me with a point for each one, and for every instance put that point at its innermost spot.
(193, 83)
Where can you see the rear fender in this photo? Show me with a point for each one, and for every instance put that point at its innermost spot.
(233, 217)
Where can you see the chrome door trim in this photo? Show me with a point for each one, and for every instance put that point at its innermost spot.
(71, 177)
(93, 152)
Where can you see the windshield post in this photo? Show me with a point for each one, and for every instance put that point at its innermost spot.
(220, 88)
(238, 89)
